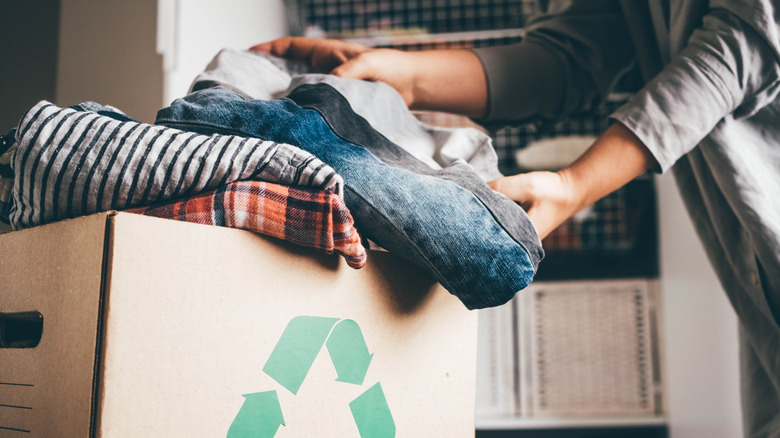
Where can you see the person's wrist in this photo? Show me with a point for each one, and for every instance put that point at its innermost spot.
(419, 92)
(395, 67)
(574, 191)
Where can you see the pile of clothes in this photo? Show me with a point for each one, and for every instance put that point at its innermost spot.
(309, 158)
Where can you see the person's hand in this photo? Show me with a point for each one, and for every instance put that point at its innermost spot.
(322, 55)
(439, 80)
(394, 67)
(349, 60)
(615, 158)
(549, 198)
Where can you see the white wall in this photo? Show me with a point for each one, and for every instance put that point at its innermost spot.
(700, 331)
(140, 55)
(204, 27)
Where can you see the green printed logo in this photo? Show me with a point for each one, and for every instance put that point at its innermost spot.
(259, 416)
(290, 361)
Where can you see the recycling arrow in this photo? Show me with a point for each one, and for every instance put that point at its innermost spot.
(293, 355)
(290, 362)
(372, 415)
(259, 416)
(301, 342)
(349, 352)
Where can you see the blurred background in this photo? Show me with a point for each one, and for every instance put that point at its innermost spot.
(626, 331)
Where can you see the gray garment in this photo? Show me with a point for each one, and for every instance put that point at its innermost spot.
(710, 113)
(265, 77)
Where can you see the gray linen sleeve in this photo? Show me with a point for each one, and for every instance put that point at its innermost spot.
(729, 68)
(567, 62)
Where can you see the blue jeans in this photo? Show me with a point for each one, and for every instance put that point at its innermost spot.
(350, 127)
(430, 221)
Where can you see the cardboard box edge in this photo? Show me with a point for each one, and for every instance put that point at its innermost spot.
(105, 286)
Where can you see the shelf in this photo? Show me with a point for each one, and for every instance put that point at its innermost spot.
(513, 423)
(433, 38)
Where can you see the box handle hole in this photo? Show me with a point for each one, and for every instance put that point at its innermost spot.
(21, 330)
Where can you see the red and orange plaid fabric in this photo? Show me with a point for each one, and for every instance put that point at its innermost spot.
(309, 217)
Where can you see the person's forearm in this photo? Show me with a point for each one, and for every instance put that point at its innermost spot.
(449, 80)
(616, 158)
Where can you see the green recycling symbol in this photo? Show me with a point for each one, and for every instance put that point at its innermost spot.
(290, 361)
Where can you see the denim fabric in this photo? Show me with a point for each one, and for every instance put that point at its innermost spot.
(103, 110)
(430, 221)
(337, 112)
(266, 77)
(385, 110)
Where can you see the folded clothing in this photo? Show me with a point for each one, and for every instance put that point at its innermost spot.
(308, 217)
(8, 149)
(430, 221)
(351, 127)
(67, 162)
(266, 77)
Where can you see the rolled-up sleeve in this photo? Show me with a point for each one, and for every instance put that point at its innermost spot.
(729, 68)
(567, 62)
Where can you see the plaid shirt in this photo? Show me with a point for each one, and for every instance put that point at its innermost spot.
(305, 216)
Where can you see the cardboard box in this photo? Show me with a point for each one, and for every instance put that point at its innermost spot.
(152, 327)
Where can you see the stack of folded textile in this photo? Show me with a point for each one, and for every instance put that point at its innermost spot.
(309, 158)
(66, 162)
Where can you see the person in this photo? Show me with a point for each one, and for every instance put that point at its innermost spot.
(708, 112)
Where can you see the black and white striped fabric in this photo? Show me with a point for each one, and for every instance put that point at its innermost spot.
(69, 163)
(8, 147)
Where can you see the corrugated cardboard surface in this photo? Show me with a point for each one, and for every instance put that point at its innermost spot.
(195, 311)
(55, 270)
(191, 315)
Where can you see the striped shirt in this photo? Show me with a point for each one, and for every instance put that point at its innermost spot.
(67, 163)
